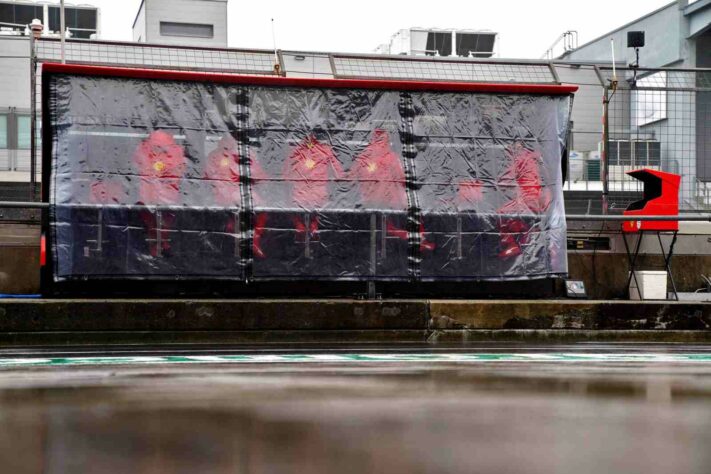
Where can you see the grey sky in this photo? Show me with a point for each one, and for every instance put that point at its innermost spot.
(526, 27)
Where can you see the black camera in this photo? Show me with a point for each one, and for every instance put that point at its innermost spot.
(635, 39)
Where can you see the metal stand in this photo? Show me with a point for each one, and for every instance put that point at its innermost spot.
(236, 235)
(632, 258)
(159, 234)
(460, 237)
(99, 241)
(307, 235)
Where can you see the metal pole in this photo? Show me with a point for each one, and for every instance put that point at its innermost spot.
(61, 29)
(33, 119)
(605, 150)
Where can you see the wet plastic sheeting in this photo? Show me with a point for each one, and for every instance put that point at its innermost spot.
(473, 152)
(311, 146)
(179, 179)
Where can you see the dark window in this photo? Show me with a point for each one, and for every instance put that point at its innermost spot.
(625, 153)
(480, 45)
(613, 154)
(19, 14)
(640, 154)
(168, 28)
(654, 153)
(24, 14)
(7, 13)
(440, 42)
(81, 34)
(74, 18)
(53, 20)
(86, 19)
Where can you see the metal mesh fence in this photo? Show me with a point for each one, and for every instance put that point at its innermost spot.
(158, 57)
(441, 70)
(659, 119)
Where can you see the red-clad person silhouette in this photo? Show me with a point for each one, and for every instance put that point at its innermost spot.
(223, 170)
(107, 192)
(161, 165)
(523, 176)
(469, 194)
(311, 168)
(378, 170)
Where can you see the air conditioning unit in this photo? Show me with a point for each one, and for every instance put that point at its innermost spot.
(592, 168)
(635, 153)
(629, 155)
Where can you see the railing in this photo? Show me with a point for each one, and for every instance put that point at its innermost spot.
(568, 217)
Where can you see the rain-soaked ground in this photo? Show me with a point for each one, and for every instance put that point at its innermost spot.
(485, 408)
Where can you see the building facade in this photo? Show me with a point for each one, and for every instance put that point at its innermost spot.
(677, 35)
(659, 115)
(81, 21)
(182, 22)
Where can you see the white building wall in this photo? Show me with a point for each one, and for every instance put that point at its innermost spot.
(14, 72)
(139, 25)
(212, 12)
(665, 41)
(587, 106)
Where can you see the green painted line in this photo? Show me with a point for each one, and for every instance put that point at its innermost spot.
(358, 358)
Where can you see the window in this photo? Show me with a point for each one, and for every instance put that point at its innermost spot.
(23, 132)
(7, 13)
(168, 28)
(3, 131)
(19, 14)
(654, 153)
(81, 22)
(625, 153)
(24, 14)
(440, 42)
(479, 45)
(85, 19)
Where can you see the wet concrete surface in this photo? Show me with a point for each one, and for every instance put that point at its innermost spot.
(533, 416)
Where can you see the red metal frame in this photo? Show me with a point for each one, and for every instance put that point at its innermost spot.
(507, 88)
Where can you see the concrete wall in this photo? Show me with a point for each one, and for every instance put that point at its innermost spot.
(587, 105)
(213, 12)
(666, 42)
(699, 18)
(14, 72)
(139, 25)
(19, 258)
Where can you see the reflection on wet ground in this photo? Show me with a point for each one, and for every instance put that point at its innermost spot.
(409, 417)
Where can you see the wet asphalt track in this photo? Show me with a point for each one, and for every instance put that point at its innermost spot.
(584, 408)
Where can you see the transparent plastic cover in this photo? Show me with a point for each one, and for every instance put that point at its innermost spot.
(163, 179)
